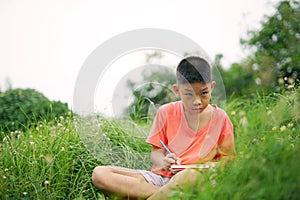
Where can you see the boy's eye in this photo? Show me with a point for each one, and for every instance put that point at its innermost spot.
(204, 93)
(189, 94)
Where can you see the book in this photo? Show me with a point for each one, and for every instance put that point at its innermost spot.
(193, 166)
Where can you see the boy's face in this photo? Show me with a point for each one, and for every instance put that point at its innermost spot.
(195, 96)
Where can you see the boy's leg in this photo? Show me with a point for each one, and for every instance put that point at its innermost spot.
(188, 176)
(123, 181)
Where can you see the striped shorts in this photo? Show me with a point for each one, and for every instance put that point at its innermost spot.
(154, 179)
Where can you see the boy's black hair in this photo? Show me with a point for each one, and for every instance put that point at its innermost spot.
(193, 69)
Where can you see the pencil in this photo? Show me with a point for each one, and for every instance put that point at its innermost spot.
(165, 147)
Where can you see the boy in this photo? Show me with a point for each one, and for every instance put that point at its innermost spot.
(193, 130)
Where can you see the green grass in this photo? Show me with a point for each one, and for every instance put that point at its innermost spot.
(267, 137)
(47, 161)
(54, 160)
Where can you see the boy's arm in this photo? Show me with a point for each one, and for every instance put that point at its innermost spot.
(226, 147)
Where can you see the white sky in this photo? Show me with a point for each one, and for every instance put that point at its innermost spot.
(43, 43)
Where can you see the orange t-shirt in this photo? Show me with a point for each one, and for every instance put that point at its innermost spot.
(171, 126)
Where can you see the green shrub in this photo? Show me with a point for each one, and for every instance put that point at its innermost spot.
(21, 107)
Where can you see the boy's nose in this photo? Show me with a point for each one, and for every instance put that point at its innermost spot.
(197, 101)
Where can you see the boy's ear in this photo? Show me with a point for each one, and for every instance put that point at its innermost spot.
(176, 89)
(213, 84)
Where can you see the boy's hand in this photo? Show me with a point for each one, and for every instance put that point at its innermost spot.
(170, 159)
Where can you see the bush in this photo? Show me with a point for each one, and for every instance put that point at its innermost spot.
(20, 107)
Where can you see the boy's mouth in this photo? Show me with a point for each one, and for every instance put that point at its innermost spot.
(197, 110)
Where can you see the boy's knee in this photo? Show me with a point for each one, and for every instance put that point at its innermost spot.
(188, 175)
(99, 175)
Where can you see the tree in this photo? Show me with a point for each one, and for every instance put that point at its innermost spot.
(239, 79)
(276, 46)
(156, 91)
(20, 107)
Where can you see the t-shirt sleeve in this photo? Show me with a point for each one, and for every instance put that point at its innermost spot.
(226, 147)
(158, 129)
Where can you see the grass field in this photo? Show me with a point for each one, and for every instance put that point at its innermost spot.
(54, 160)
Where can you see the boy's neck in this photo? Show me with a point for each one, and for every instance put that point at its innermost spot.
(198, 121)
(207, 110)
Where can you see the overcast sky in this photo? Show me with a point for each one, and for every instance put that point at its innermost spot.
(43, 43)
